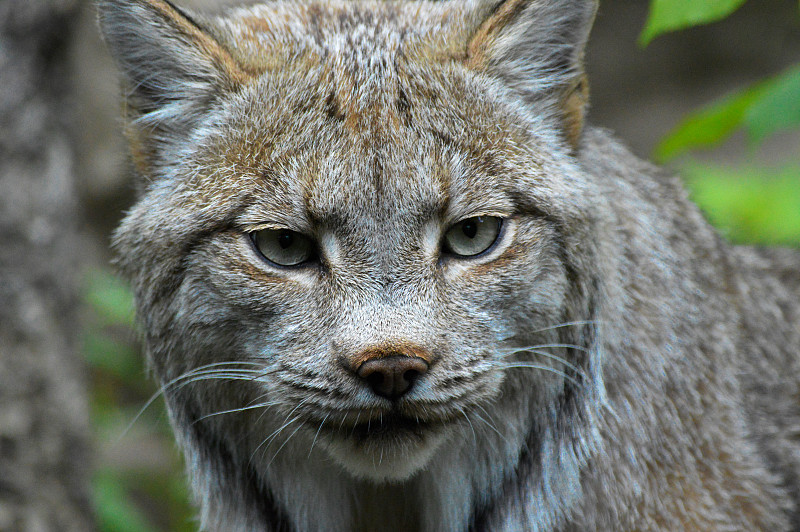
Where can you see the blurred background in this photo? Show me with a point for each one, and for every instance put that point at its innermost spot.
(716, 98)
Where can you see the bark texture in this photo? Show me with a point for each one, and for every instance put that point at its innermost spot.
(44, 430)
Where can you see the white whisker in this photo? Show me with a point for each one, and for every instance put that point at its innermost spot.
(549, 346)
(235, 410)
(474, 436)
(275, 455)
(567, 324)
(551, 356)
(512, 365)
(317, 434)
(286, 423)
(266, 441)
(488, 423)
(201, 370)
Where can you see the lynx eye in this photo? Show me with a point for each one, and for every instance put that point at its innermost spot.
(472, 236)
(283, 247)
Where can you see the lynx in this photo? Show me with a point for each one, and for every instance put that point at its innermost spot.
(389, 279)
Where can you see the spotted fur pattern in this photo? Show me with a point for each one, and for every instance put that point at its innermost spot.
(608, 364)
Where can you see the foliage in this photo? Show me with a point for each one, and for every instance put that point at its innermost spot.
(671, 15)
(140, 493)
(762, 109)
(750, 204)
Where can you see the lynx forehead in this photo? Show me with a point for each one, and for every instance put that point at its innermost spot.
(390, 280)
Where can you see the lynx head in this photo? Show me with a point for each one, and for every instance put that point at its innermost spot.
(363, 225)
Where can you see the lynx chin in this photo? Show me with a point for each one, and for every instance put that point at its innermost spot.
(389, 279)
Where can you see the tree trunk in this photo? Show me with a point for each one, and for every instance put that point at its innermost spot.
(44, 430)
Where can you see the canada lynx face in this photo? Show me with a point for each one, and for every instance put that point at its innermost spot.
(388, 280)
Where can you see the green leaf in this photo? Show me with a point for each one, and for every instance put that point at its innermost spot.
(109, 354)
(671, 15)
(115, 512)
(110, 298)
(777, 109)
(709, 126)
(749, 204)
(763, 108)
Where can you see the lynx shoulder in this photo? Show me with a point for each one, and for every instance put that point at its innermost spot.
(389, 279)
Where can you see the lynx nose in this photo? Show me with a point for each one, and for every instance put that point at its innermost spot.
(392, 376)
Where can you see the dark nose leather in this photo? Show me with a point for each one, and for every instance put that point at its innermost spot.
(392, 376)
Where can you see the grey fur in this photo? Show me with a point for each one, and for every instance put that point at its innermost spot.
(611, 364)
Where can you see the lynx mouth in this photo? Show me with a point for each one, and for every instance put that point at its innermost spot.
(388, 447)
(392, 425)
(383, 426)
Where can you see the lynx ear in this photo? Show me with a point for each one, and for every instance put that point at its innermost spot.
(174, 67)
(537, 47)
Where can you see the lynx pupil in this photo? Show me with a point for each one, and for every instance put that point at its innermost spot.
(470, 228)
(285, 239)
